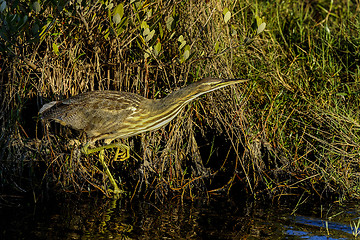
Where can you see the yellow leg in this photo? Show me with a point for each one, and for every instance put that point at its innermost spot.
(125, 153)
(117, 190)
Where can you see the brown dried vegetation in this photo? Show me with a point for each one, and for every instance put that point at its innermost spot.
(294, 127)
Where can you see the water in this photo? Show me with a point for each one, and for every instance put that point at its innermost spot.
(219, 218)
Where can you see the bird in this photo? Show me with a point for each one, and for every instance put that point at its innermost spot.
(108, 115)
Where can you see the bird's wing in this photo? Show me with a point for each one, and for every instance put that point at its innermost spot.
(100, 112)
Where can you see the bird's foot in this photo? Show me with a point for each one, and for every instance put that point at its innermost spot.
(116, 193)
(85, 149)
(125, 153)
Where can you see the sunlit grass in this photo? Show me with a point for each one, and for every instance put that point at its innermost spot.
(294, 129)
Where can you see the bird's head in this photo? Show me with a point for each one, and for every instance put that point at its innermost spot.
(210, 84)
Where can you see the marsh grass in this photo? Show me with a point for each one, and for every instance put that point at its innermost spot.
(293, 129)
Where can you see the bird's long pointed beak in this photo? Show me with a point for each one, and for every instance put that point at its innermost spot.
(236, 80)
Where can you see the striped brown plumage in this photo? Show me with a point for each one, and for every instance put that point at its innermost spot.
(112, 114)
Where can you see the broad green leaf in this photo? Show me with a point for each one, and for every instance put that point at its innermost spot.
(149, 36)
(55, 48)
(217, 47)
(2, 6)
(116, 18)
(182, 44)
(181, 38)
(233, 32)
(259, 21)
(149, 13)
(182, 41)
(186, 53)
(109, 6)
(146, 31)
(137, 5)
(144, 25)
(261, 28)
(148, 52)
(227, 15)
(119, 10)
(36, 7)
(169, 23)
(23, 21)
(157, 48)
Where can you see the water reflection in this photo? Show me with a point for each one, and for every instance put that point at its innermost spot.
(215, 219)
(323, 229)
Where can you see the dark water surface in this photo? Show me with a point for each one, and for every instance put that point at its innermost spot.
(219, 218)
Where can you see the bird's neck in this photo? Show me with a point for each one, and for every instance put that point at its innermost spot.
(175, 101)
(165, 109)
(162, 111)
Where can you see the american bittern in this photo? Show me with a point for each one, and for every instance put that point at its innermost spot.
(110, 115)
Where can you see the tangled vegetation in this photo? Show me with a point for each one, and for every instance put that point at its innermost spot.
(293, 129)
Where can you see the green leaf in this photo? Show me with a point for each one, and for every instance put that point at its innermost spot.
(259, 21)
(119, 10)
(261, 28)
(186, 53)
(144, 25)
(109, 6)
(149, 13)
(148, 52)
(2, 6)
(55, 48)
(146, 32)
(149, 36)
(161, 31)
(116, 18)
(227, 15)
(22, 21)
(157, 48)
(233, 32)
(217, 47)
(182, 41)
(36, 7)
(169, 23)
